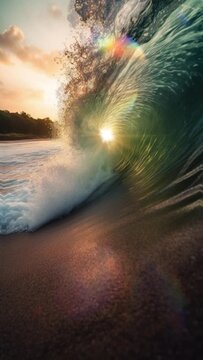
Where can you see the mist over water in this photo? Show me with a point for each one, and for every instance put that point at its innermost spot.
(151, 99)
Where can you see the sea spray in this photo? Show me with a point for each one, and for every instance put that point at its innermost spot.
(151, 103)
(51, 187)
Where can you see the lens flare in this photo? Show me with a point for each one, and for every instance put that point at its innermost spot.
(106, 135)
(119, 47)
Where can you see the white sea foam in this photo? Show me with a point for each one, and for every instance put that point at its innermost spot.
(45, 181)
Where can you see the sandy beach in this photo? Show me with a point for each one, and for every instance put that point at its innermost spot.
(101, 221)
(103, 283)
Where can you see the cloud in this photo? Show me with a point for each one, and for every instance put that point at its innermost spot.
(13, 42)
(4, 58)
(20, 95)
(55, 11)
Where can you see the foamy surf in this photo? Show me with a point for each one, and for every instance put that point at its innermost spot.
(150, 99)
(46, 181)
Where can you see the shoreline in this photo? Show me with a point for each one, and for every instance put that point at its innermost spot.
(23, 137)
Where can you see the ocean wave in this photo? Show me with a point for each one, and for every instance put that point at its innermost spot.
(51, 189)
(151, 99)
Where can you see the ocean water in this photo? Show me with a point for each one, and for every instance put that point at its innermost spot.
(153, 104)
(43, 180)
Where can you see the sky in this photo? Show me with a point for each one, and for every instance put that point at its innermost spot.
(32, 34)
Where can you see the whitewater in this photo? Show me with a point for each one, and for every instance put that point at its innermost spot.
(154, 105)
(43, 180)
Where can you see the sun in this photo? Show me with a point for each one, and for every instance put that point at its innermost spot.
(106, 135)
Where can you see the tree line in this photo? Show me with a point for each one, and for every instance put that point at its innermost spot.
(23, 125)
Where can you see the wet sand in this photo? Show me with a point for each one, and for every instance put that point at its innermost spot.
(105, 283)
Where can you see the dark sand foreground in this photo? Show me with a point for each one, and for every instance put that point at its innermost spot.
(105, 283)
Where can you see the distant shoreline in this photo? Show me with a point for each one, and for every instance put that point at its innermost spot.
(16, 137)
(22, 126)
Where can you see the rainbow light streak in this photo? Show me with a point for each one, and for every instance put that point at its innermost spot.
(177, 300)
(120, 47)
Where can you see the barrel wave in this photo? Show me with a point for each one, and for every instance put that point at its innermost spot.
(151, 100)
(142, 80)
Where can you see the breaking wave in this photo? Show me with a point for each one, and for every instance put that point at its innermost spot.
(45, 181)
(141, 75)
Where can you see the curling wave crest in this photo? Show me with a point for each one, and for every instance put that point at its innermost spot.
(151, 98)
